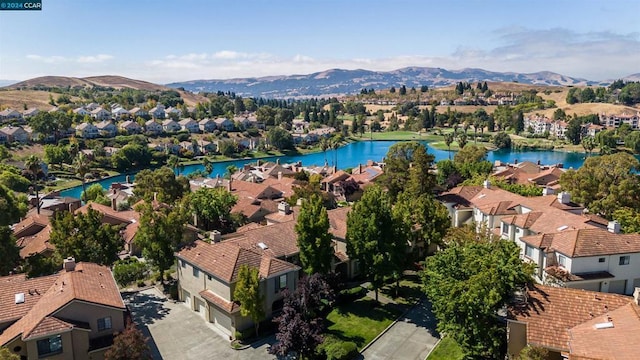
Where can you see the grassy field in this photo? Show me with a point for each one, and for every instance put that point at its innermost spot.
(447, 349)
(360, 321)
(395, 135)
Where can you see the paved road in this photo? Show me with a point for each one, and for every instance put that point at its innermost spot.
(411, 338)
(175, 332)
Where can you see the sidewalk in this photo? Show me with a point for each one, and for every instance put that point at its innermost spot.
(413, 336)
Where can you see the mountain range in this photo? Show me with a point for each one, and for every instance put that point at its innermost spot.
(340, 82)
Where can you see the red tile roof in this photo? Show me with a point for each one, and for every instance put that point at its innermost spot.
(622, 341)
(587, 242)
(49, 325)
(35, 244)
(228, 306)
(550, 312)
(32, 289)
(89, 282)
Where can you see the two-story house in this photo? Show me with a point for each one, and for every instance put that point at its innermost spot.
(87, 131)
(10, 114)
(107, 128)
(130, 127)
(30, 112)
(207, 125)
(157, 112)
(189, 125)
(73, 314)
(138, 112)
(208, 274)
(152, 127)
(15, 134)
(170, 126)
(224, 124)
(100, 114)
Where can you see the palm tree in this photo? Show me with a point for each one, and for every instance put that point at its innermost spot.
(324, 145)
(34, 165)
(82, 167)
(448, 139)
(174, 163)
(588, 144)
(208, 166)
(462, 140)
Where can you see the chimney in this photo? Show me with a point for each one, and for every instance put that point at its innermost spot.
(258, 162)
(359, 168)
(230, 185)
(547, 191)
(114, 191)
(300, 201)
(538, 162)
(613, 227)
(215, 236)
(636, 296)
(564, 197)
(515, 162)
(283, 208)
(69, 264)
(486, 184)
(278, 161)
(114, 204)
(335, 169)
(279, 175)
(128, 179)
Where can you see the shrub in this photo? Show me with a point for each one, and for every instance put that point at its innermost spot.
(336, 349)
(352, 294)
(128, 270)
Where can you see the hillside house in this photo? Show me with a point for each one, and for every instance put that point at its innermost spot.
(100, 114)
(157, 112)
(130, 127)
(30, 113)
(73, 314)
(138, 112)
(615, 120)
(189, 125)
(207, 125)
(87, 131)
(152, 127)
(224, 124)
(119, 112)
(172, 112)
(107, 128)
(15, 134)
(10, 114)
(81, 111)
(170, 126)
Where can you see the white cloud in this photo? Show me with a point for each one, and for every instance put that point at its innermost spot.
(84, 59)
(94, 59)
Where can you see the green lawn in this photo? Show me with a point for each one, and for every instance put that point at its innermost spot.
(360, 321)
(447, 349)
(394, 135)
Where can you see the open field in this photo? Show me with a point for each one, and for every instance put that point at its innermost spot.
(15, 99)
(25, 150)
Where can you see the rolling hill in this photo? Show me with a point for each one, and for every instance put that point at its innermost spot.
(340, 82)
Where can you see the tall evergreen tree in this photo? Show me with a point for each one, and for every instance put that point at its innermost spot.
(248, 294)
(314, 240)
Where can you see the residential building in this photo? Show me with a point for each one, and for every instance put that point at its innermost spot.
(208, 274)
(130, 127)
(100, 114)
(10, 114)
(574, 324)
(91, 106)
(189, 125)
(15, 134)
(172, 112)
(615, 120)
(298, 126)
(81, 111)
(224, 124)
(157, 112)
(3, 138)
(170, 126)
(30, 112)
(107, 128)
(207, 125)
(87, 131)
(539, 124)
(152, 127)
(73, 314)
(138, 112)
(119, 112)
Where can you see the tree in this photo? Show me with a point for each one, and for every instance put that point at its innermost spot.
(130, 344)
(96, 193)
(427, 217)
(605, 183)
(533, 353)
(589, 143)
(519, 123)
(162, 184)
(314, 239)
(84, 237)
(587, 95)
(131, 156)
(374, 236)
(280, 138)
(574, 131)
(12, 208)
(403, 90)
(81, 166)
(448, 139)
(208, 165)
(34, 166)
(9, 250)
(6, 354)
(421, 180)
(174, 162)
(128, 270)
(468, 283)
(248, 294)
(502, 140)
(398, 159)
(160, 233)
(301, 323)
(56, 154)
(462, 140)
(212, 207)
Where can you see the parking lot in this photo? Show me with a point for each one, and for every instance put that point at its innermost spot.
(176, 332)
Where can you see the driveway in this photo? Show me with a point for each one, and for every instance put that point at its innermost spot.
(176, 332)
(412, 337)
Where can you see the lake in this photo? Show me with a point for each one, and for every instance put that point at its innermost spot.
(355, 153)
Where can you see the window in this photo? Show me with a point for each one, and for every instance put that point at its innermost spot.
(183, 263)
(505, 228)
(50, 346)
(562, 260)
(528, 251)
(281, 282)
(624, 260)
(601, 260)
(104, 323)
(196, 272)
(209, 277)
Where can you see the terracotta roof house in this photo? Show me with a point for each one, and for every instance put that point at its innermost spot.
(562, 320)
(70, 315)
(207, 276)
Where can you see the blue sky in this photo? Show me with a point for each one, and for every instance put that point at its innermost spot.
(164, 41)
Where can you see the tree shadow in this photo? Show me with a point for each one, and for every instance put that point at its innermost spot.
(146, 308)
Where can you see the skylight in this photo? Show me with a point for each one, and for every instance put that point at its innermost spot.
(563, 227)
(263, 246)
(19, 298)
